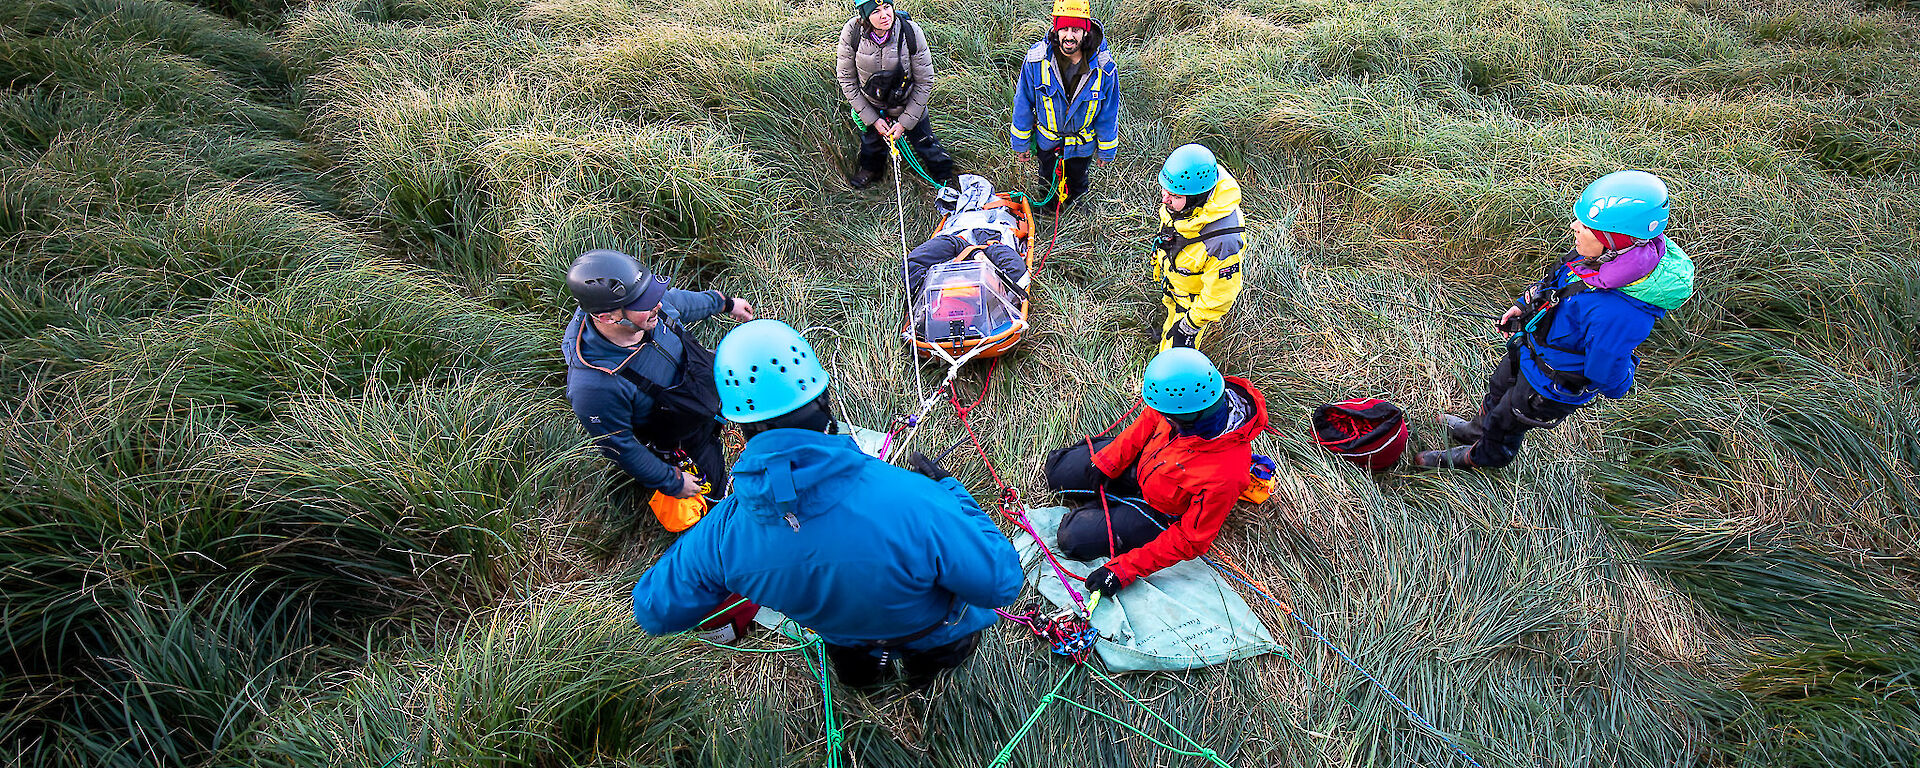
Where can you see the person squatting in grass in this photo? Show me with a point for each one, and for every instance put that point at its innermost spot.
(1186, 455)
(639, 383)
(883, 563)
(1067, 101)
(1196, 255)
(886, 73)
(1571, 337)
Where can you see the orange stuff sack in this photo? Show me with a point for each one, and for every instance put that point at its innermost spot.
(1260, 480)
(676, 514)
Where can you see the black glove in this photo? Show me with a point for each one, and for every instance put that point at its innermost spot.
(1182, 333)
(1103, 581)
(923, 465)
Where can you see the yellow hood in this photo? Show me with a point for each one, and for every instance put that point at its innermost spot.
(1225, 198)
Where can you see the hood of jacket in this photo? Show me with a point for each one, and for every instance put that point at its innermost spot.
(782, 472)
(1224, 201)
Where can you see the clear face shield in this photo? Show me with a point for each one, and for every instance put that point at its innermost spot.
(963, 300)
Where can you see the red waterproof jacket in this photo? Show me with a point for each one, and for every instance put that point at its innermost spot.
(1194, 479)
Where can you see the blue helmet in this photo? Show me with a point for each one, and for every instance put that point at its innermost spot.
(764, 369)
(1181, 380)
(1631, 203)
(1190, 170)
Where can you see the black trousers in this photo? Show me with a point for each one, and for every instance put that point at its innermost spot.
(933, 157)
(707, 453)
(863, 667)
(1091, 530)
(1076, 173)
(1511, 409)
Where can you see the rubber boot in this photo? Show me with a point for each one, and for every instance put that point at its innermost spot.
(1461, 430)
(1457, 457)
(863, 178)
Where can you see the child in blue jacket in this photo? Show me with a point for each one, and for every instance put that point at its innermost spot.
(1572, 336)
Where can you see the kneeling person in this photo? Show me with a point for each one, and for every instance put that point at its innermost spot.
(642, 386)
(1187, 455)
(881, 562)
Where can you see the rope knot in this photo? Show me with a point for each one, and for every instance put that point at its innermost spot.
(1010, 498)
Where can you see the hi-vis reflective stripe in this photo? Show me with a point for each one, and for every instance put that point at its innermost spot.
(1050, 128)
(1020, 134)
(1087, 126)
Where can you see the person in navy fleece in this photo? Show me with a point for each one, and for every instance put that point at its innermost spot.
(1572, 335)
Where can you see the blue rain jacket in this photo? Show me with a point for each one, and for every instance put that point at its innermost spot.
(1608, 325)
(847, 545)
(613, 409)
(1044, 114)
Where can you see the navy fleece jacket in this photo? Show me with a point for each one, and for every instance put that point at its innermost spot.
(615, 410)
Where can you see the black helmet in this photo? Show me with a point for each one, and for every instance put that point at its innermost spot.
(604, 280)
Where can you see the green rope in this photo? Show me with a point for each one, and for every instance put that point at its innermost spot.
(905, 150)
(1006, 752)
(1204, 752)
(1201, 751)
(814, 650)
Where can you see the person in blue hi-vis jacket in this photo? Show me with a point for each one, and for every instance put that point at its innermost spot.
(1572, 336)
(886, 565)
(1067, 102)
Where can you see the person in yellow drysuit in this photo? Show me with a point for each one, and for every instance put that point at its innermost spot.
(1196, 256)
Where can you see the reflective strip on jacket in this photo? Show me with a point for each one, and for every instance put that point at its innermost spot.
(1045, 115)
(1203, 279)
(1195, 479)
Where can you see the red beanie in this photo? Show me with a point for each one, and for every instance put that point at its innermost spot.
(1065, 22)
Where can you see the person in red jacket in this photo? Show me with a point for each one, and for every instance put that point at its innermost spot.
(1186, 455)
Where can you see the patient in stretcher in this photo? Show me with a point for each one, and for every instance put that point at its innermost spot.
(968, 280)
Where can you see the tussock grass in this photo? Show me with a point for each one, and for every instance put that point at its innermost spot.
(558, 676)
(291, 482)
(334, 331)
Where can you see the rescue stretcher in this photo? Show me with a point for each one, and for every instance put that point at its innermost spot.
(968, 307)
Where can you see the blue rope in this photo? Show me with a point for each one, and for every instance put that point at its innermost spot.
(1404, 706)
(1413, 714)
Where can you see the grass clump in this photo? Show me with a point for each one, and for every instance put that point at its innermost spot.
(561, 680)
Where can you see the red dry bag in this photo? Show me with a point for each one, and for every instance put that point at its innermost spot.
(1369, 432)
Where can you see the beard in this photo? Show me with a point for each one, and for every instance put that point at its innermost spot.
(1069, 47)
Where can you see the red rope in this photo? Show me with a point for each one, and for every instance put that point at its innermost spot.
(1009, 496)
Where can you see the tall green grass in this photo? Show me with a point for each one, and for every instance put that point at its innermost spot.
(290, 479)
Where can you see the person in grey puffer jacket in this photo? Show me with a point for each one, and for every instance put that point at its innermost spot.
(642, 386)
(886, 73)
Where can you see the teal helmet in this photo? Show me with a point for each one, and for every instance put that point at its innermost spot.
(1190, 170)
(1181, 380)
(1631, 203)
(765, 369)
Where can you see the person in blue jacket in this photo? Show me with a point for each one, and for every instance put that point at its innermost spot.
(1571, 338)
(883, 563)
(1067, 102)
(642, 386)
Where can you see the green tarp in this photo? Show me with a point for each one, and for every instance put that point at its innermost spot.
(1184, 616)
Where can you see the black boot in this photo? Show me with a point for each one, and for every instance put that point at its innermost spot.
(1457, 457)
(863, 178)
(1461, 430)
